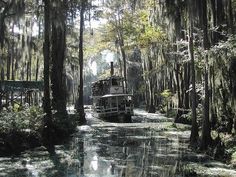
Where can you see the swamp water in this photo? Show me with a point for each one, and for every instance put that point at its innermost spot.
(149, 147)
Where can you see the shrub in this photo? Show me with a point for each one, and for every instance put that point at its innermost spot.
(16, 121)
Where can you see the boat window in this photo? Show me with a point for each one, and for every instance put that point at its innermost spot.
(129, 98)
(114, 82)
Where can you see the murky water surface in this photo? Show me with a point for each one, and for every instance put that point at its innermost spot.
(148, 147)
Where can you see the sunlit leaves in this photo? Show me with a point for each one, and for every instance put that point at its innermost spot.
(93, 48)
(151, 35)
(224, 47)
(166, 94)
(19, 120)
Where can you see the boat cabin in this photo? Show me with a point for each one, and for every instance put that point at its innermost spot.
(110, 85)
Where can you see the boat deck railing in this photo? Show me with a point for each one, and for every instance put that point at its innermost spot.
(101, 109)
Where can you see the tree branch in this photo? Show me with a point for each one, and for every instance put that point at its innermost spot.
(4, 2)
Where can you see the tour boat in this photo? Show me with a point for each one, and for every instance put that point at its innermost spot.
(110, 100)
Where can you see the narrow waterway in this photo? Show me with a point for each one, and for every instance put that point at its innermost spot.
(149, 147)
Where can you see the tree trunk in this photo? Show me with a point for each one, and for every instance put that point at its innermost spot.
(180, 102)
(37, 69)
(124, 64)
(46, 53)
(9, 63)
(37, 56)
(119, 61)
(2, 29)
(58, 57)
(80, 104)
(231, 21)
(122, 50)
(186, 86)
(151, 106)
(30, 62)
(12, 59)
(145, 78)
(213, 101)
(233, 87)
(214, 33)
(2, 79)
(194, 128)
(47, 135)
(206, 129)
(8, 70)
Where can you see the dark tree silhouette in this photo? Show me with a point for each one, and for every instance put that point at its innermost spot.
(58, 56)
(206, 130)
(46, 100)
(80, 101)
(194, 128)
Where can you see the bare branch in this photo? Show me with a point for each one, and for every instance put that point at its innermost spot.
(4, 2)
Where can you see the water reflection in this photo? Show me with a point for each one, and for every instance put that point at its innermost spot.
(104, 149)
(94, 163)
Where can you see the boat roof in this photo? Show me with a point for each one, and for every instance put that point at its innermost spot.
(108, 78)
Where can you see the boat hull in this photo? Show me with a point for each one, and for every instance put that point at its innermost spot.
(115, 117)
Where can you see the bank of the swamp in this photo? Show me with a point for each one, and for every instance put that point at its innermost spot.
(23, 129)
(221, 148)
